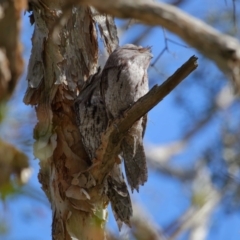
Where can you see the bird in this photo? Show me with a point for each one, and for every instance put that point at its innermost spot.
(92, 122)
(124, 80)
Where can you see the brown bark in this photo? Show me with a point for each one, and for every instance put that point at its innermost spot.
(60, 62)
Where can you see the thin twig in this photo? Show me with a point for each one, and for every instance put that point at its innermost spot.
(166, 47)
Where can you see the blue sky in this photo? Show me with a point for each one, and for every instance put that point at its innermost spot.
(164, 198)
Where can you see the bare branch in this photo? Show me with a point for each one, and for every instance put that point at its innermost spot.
(113, 135)
(224, 50)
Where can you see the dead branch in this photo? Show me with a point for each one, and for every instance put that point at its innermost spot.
(115, 132)
(224, 50)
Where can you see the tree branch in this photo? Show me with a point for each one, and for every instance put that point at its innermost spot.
(115, 132)
(224, 50)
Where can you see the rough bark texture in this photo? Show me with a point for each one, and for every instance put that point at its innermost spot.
(61, 60)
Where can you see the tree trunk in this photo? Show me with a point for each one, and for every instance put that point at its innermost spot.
(64, 54)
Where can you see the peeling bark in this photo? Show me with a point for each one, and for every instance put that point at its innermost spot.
(60, 63)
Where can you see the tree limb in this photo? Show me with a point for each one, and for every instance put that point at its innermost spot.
(224, 50)
(113, 135)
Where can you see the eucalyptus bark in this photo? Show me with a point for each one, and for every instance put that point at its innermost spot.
(61, 60)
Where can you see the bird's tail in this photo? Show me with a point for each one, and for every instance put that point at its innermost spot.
(119, 197)
(134, 161)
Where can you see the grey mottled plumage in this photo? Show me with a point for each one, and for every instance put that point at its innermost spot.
(92, 121)
(119, 196)
(91, 115)
(124, 81)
